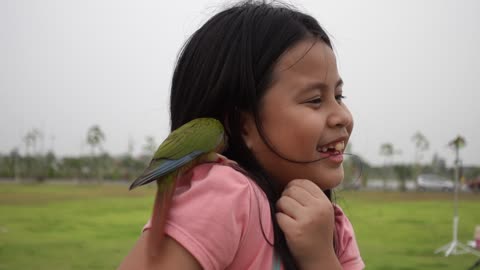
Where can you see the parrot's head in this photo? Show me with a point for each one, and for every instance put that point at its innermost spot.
(216, 138)
(219, 131)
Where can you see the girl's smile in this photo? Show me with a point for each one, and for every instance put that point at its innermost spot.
(302, 118)
(333, 151)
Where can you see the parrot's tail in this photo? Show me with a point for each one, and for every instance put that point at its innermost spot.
(161, 206)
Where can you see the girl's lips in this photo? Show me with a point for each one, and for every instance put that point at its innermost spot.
(331, 153)
(336, 156)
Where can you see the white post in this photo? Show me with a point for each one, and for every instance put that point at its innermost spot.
(455, 247)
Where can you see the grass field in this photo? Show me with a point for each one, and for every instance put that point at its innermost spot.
(93, 227)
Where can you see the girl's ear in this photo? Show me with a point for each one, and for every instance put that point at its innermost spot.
(249, 129)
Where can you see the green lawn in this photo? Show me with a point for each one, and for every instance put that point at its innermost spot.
(402, 230)
(93, 227)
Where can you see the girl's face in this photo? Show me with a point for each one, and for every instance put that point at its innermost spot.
(303, 118)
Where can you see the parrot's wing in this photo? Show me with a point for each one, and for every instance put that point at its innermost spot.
(174, 146)
(159, 168)
(193, 136)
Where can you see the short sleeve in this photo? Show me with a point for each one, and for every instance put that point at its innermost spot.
(209, 214)
(347, 249)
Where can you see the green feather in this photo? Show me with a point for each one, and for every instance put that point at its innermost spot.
(184, 147)
(202, 134)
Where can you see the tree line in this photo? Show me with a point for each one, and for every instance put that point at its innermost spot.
(358, 171)
(99, 164)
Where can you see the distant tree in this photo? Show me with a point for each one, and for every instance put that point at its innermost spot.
(354, 169)
(388, 151)
(71, 167)
(457, 143)
(130, 146)
(51, 164)
(421, 145)
(363, 170)
(31, 139)
(403, 172)
(439, 165)
(128, 160)
(348, 169)
(95, 138)
(28, 140)
(33, 156)
(150, 146)
(15, 158)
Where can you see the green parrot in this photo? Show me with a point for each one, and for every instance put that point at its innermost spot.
(197, 141)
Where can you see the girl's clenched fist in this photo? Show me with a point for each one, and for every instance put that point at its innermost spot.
(306, 216)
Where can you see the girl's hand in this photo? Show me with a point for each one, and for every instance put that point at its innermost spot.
(306, 217)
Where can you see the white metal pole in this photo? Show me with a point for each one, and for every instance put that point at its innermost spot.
(455, 247)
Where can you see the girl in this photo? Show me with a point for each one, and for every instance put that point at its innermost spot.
(269, 74)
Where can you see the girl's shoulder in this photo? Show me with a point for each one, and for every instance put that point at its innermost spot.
(348, 252)
(215, 216)
(223, 176)
(211, 184)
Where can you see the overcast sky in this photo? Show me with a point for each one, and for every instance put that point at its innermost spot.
(67, 65)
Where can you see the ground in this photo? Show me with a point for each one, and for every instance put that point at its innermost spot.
(60, 226)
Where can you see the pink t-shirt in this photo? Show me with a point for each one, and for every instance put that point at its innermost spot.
(218, 215)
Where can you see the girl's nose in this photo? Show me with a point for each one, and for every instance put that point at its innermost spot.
(339, 116)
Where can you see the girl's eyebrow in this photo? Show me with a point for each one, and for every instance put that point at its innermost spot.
(320, 85)
(339, 83)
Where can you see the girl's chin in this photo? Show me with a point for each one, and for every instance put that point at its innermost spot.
(324, 178)
(329, 182)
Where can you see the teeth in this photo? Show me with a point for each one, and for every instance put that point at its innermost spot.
(339, 146)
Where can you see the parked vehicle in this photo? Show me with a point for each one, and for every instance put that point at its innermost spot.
(434, 182)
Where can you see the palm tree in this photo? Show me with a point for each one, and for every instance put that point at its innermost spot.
(421, 145)
(95, 138)
(457, 143)
(32, 154)
(388, 151)
(150, 145)
(31, 139)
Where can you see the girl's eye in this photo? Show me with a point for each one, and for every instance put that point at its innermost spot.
(315, 101)
(339, 98)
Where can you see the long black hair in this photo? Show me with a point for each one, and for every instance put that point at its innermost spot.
(224, 70)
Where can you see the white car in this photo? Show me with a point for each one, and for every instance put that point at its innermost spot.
(434, 182)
